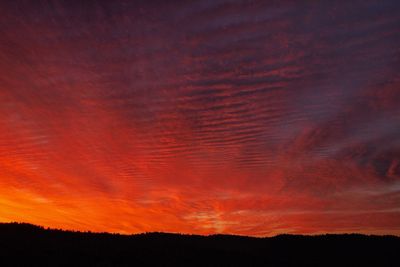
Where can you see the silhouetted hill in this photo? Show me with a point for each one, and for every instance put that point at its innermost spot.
(29, 245)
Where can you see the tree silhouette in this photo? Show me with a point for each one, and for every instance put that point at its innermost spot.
(29, 245)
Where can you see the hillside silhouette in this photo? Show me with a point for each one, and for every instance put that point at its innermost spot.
(30, 245)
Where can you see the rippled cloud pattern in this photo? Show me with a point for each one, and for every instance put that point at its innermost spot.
(241, 117)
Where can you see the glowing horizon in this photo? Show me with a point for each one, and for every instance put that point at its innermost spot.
(210, 117)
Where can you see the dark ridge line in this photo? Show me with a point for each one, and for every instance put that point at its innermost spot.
(30, 226)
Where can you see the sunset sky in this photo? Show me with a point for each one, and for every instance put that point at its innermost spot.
(240, 117)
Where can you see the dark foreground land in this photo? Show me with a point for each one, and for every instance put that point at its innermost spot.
(28, 245)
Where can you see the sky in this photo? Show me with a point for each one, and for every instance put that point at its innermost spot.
(239, 117)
